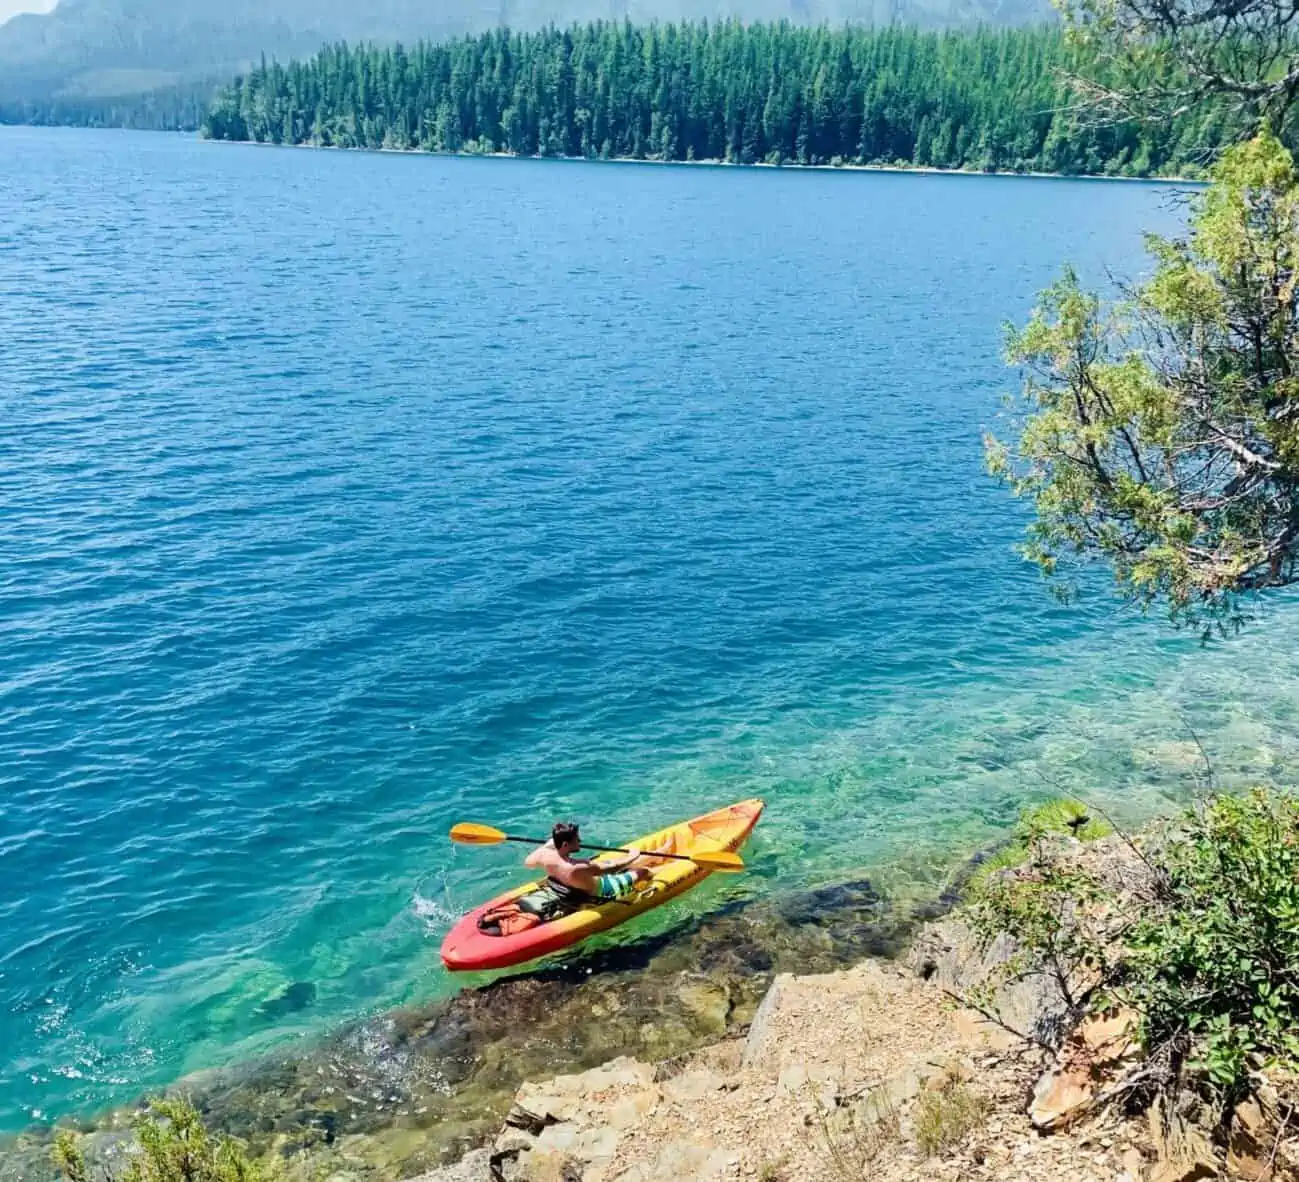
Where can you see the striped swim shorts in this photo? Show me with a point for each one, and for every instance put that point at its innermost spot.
(615, 886)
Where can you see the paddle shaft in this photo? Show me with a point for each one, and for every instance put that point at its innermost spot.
(604, 849)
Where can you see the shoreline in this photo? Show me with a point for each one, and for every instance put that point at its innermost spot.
(791, 166)
(417, 1086)
(962, 1053)
(414, 1088)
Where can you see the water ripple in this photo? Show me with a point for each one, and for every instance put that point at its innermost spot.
(348, 496)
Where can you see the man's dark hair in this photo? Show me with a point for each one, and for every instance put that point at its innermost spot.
(564, 833)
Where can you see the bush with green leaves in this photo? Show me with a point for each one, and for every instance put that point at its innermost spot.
(1216, 966)
(172, 1145)
(1046, 905)
(1209, 960)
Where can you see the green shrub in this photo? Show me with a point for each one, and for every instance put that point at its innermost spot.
(1208, 956)
(1046, 906)
(172, 1145)
(1216, 966)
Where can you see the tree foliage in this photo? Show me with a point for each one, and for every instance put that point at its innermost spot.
(177, 108)
(171, 1145)
(1161, 435)
(1159, 59)
(990, 99)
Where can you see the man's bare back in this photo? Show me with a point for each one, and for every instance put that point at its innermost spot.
(558, 858)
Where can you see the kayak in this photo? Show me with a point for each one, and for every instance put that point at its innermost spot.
(468, 947)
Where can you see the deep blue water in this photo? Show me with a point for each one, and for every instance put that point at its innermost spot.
(345, 496)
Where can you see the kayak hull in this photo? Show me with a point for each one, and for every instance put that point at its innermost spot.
(468, 949)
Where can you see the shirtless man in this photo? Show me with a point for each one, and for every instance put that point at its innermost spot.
(571, 877)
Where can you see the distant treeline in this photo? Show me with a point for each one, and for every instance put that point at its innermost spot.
(989, 99)
(174, 109)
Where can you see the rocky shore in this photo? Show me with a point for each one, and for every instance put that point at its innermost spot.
(410, 1090)
(826, 1036)
(882, 1071)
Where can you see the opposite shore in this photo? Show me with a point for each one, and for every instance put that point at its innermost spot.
(788, 166)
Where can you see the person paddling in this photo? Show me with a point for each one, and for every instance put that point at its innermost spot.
(576, 879)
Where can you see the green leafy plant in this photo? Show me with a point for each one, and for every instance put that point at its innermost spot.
(1061, 817)
(1043, 901)
(1045, 905)
(1216, 966)
(172, 1145)
(1209, 961)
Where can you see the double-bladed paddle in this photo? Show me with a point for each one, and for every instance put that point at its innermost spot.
(724, 861)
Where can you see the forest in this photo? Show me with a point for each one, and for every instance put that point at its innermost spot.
(990, 99)
(178, 108)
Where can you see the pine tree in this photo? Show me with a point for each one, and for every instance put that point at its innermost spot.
(985, 99)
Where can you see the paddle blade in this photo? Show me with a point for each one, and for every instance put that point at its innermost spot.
(722, 861)
(467, 833)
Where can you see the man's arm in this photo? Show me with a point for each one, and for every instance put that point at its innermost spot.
(633, 856)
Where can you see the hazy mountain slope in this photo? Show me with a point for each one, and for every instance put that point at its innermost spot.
(166, 40)
(114, 46)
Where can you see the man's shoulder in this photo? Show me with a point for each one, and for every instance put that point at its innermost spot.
(568, 868)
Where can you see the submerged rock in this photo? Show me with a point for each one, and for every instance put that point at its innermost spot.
(295, 997)
(416, 1088)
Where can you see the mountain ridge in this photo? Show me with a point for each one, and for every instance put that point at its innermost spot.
(114, 47)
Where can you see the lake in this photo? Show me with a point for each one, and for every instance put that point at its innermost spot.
(346, 496)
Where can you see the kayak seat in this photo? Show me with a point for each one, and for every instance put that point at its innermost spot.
(550, 901)
(546, 905)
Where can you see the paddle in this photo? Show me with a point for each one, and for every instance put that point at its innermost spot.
(468, 833)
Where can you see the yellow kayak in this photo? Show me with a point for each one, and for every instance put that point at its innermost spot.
(468, 946)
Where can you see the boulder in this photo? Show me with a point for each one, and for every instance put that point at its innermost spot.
(692, 1085)
(566, 1096)
(1091, 1061)
(1111, 1037)
(883, 1100)
(1257, 1150)
(1134, 1166)
(952, 955)
(473, 1167)
(595, 1145)
(1061, 1096)
(526, 1120)
(757, 1043)
(1248, 1144)
(567, 1129)
(815, 1080)
(678, 1160)
(708, 1001)
(1185, 1169)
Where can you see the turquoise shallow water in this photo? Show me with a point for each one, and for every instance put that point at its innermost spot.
(346, 496)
